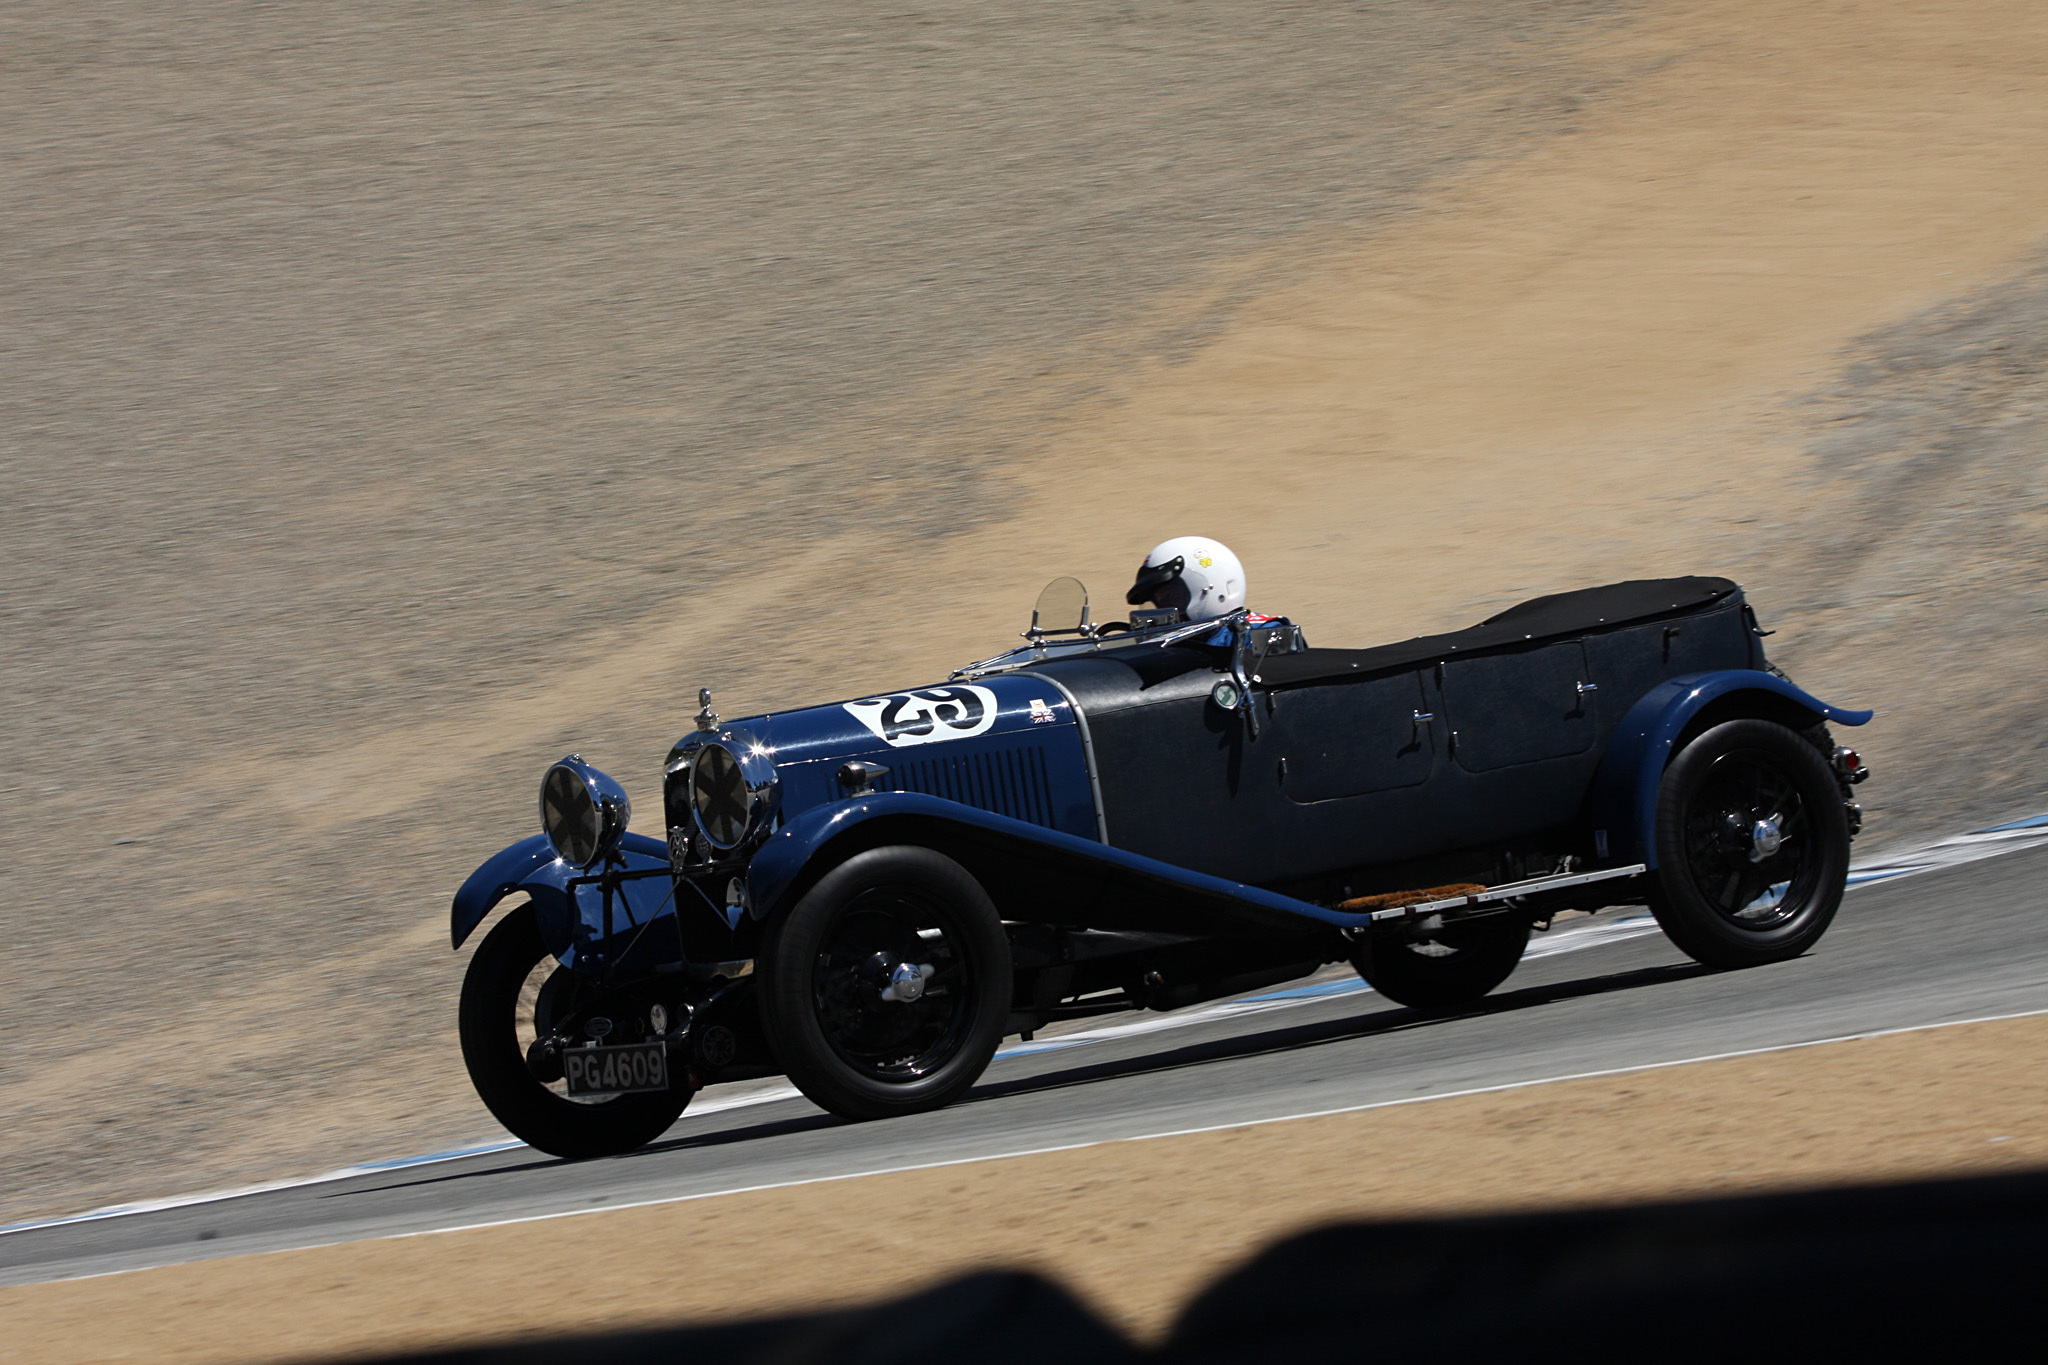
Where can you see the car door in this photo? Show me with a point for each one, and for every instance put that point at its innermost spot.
(1521, 728)
(1530, 706)
(1356, 757)
(1352, 737)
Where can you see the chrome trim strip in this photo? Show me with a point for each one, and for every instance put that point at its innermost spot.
(1087, 748)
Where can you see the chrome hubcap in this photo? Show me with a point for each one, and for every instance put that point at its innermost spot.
(906, 983)
(1765, 839)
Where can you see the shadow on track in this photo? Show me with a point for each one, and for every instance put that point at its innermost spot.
(1301, 1037)
(1266, 1043)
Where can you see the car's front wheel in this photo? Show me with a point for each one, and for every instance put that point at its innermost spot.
(1752, 846)
(506, 1001)
(886, 988)
(1453, 966)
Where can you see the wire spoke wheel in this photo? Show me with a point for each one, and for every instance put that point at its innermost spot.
(511, 995)
(548, 997)
(1743, 792)
(881, 931)
(1752, 844)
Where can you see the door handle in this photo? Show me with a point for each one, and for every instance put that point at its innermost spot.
(1586, 687)
(1424, 717)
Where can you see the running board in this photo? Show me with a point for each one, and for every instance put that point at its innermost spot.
(1508, 891)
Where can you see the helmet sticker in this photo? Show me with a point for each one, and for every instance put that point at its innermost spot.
(1193, 574)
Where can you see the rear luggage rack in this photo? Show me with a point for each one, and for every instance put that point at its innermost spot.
(1505, 891)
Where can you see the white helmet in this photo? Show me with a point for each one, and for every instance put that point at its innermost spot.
(1197, 575)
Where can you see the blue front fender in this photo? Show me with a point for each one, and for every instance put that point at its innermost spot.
(782, 859)
(502, 873)
(573, 917)
(1624, 804)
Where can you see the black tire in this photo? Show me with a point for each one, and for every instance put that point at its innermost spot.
(1454, 966)
(826, 964)
(492, 1048)
(1728, 894)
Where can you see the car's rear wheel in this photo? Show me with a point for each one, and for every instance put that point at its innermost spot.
(1752, 846)
(1453, 966)
(886, 988)
(510, 987)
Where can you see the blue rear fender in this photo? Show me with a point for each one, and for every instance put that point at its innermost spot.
(1624, 798)
(572, 918)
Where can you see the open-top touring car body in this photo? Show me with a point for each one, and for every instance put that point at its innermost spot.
(869, 895)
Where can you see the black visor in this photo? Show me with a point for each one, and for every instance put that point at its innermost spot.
(1153, 577)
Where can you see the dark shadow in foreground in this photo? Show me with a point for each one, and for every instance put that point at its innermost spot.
(1951, 1269)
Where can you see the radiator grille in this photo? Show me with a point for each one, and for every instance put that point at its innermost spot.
(1009, 782)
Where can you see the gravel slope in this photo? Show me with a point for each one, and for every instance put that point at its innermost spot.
(392, 402)
(363, 371)
(1926, 564)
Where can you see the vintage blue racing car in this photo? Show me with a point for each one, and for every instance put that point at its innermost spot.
(868, 896)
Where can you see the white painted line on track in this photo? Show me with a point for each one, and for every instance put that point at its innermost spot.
(1138, 1137)
(180, 1201)
(2012, 837)
(1228, 1127)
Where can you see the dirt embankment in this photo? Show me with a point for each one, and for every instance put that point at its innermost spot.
(393, 401)
(389, 408)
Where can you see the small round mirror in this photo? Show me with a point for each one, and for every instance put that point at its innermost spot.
(1062, 606)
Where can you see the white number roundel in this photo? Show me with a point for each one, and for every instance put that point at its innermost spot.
(929, 715)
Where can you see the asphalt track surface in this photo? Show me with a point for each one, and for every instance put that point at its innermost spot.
(1953, 943)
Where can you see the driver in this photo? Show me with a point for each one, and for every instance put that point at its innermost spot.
(1198, 577)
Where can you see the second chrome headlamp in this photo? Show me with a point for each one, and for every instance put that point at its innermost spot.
(729, 784)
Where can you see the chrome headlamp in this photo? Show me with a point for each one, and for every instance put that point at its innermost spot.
(582, 811)
(728, 783)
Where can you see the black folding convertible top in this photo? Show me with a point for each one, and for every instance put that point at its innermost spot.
(1540, 618)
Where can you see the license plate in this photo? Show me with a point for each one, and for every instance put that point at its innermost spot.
(616, 1070)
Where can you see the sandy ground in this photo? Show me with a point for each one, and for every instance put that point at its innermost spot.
(1136, 1228)
(387, 411)
(393, 401)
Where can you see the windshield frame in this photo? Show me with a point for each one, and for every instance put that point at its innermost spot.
(1041, 650)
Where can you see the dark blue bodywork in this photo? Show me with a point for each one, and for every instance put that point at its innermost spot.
(570, 905)
(1102, 787)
